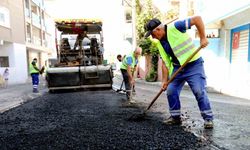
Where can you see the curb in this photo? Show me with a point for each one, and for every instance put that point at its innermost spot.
(158, 84)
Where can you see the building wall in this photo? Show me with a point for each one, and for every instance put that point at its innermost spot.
(42, 57)
(17, 21)
(13, 36)
(237, 19)
(14, 43)
(20, 64)
(5, 34)
(17, 62)
(16, 31)
(236, 79)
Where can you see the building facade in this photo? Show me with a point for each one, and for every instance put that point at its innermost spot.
(229, 58)
(39, 28)
(23, 36)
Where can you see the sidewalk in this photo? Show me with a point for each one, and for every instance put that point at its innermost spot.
(15, 95)
(158, 84)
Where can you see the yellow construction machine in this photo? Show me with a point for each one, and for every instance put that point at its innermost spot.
(79, 44)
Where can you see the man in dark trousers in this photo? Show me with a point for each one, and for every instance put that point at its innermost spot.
(128, 67)
(175, 46)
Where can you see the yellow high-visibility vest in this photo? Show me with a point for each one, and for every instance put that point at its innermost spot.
(181, 44)
(124, 64)
(32, 69)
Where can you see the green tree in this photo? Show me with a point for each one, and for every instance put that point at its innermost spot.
(143, 15)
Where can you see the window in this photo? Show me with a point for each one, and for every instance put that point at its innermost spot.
(27, 8)
(4, 17)
(4, 61)
(128, 17)
(37, 38)
(27, 4)
(28, 33)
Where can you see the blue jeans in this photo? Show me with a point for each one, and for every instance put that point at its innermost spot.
(194, 75)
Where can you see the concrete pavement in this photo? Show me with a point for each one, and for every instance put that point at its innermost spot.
(15, 95)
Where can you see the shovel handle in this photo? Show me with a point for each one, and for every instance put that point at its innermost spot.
(173, 76)
(153, 101)
(182, 66)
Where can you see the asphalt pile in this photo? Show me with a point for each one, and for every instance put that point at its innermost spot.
(88, 120)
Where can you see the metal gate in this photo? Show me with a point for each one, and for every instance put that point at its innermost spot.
(239, 67)
(240, 47)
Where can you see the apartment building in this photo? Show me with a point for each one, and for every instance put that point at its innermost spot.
(25, 33)
(38, 31)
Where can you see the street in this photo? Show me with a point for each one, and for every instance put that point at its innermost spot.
(89, 119)
(231, 117)
(63, 63)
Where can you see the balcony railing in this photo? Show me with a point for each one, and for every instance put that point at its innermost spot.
(37, 41)
(27, 13)
(36, 20)
(43, 24)
(45, 43)
(37, 2)
(28, 39)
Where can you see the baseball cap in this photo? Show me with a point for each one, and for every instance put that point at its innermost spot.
(151, 25)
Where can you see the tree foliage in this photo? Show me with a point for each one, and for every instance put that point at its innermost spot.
(145, 12)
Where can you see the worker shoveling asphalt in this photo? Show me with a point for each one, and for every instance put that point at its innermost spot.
(131, 101)
(139, 117)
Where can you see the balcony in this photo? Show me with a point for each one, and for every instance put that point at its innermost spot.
(36, 20)
(27, 13)
(43, 25)
(37, 41)
(37, 2)
(28, 39)
(45, 43)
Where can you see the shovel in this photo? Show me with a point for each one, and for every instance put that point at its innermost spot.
(138, 117)
(131, 101)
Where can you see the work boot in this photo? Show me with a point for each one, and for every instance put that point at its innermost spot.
(208, 124)
(35, 90)
(173, 121)
(131, 101)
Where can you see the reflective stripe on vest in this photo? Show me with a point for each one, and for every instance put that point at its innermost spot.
(181, 44)
(32, 69)
(124, 64)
